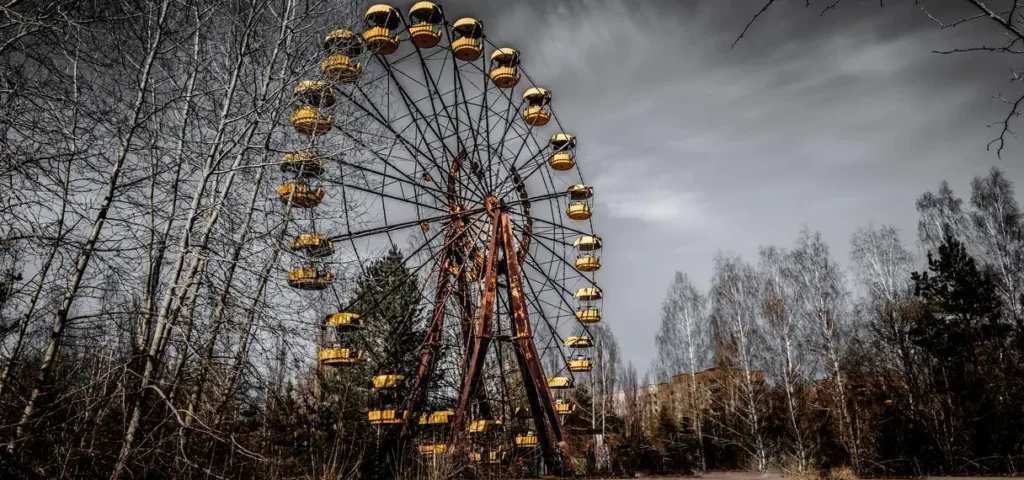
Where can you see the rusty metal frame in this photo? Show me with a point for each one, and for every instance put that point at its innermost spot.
(434, 337)
(542, 403)
(479, 342)
(503, 258)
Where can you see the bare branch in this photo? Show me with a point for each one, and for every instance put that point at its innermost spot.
(753, 19)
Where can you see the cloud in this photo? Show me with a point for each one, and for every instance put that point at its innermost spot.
(661, 207)
(692, 146)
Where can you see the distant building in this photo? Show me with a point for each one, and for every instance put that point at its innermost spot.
(707, 390)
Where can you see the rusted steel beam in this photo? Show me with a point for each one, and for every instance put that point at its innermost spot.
(467, 329)
(534, 372)
(548, 448)
(480, 341)
(428, 361)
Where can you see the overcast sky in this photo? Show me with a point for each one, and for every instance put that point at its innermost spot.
(833, 122)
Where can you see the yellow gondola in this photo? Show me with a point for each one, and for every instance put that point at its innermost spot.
(308, 278)
(588, 315)
(488, 458)
(316, 93)
(341, 68)
(344, 321)
(313, 245)
(588, 294)
(588, 310)
(340, 356)
(526, 441)
(584, 341)
(579, 211)
(560, 383)
(579, 207)
(579, 192)
(425, 30)
(382, 20)
(565, 408)
(562, 141)
(309, 121)
(536, 112)
(344, 42)
(387, 417)
(587, 258)
(440, 417)
(588, 263)
(588, 243)
(468, 45)
(303, 164)
(563, 157)
(505, 67)
(300, 195)
(388, 381)
(483, 426)
(434, 449)
(581, 364)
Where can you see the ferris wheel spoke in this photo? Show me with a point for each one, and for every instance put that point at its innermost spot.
(532, 157)
(399, 226)
(415, 153)
(432, 86)
(457, 87)
(412, 107)
(560, 225)
(557, 259)
(413, 272)
(399, 198)
(561, 241)
(404, 176)
(532, 299)
(507, 115)
(473, 130)
(547, 197)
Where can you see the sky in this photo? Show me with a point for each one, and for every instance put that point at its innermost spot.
(832, 122)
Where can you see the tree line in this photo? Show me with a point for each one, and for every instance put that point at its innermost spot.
(146, 330)
(888, 366)
(145, 327)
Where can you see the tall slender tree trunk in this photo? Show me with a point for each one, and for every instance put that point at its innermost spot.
(179, 286)
(59, 322)
(26, 318)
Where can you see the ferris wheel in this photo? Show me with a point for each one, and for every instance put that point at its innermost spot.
(420, 131)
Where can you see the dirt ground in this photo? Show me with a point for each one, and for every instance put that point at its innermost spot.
(779, 476)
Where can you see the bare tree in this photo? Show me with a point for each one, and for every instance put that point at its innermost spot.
(999, 237)
(883, 267)
(940, 212)
(823, 303)
(786, 336)
(736, 303)
(155, 39)
(684, 348)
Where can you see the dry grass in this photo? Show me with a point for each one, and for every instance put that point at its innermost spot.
(843, 473)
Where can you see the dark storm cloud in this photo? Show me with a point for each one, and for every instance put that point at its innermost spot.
(831, 121)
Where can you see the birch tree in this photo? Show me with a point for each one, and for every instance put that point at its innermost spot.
(786, 338)
(823, 304)
(883, 267)
(684, 348)
(999, 237)
(155, 36)
(735, 299)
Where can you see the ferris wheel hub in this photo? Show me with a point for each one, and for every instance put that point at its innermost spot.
(493, 205)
